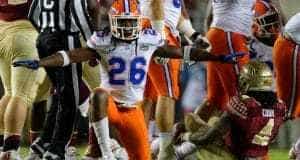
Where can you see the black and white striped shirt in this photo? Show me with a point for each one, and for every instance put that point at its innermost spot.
(61, 15)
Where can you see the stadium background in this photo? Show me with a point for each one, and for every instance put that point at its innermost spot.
(288, 133)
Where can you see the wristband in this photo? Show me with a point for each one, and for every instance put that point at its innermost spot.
(65, 57)
(187, 54)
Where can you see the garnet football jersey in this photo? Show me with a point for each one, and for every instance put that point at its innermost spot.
(251, 136)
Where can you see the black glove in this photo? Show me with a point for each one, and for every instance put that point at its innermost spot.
(200, 42)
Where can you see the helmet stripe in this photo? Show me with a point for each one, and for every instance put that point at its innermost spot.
(127, 6)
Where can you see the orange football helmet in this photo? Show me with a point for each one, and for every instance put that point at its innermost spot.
(125, 17)
(267, 22)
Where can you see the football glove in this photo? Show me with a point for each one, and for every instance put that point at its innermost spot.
(31, 64)
(200, 42)
(231, 58)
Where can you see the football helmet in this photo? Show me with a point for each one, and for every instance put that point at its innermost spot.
(292, 28)
(255, 76)
(267, 22)
(124, 17)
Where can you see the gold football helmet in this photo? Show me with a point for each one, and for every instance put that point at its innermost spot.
(256, 76)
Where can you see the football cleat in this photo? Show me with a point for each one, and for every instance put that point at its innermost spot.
(70, 153)
(10, 155)
(51, 156)
(119, 152)
(37, 149)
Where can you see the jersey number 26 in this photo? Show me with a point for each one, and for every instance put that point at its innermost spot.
(136, 71)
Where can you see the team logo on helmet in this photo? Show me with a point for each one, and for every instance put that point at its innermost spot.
(255, 76)
(267, 22)
(125, 19)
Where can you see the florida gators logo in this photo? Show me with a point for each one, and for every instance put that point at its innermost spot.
(177, 3)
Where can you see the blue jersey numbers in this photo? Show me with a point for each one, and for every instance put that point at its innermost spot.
(136, 69)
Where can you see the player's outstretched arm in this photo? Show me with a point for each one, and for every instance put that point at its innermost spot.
(194, 54)
(59, 59)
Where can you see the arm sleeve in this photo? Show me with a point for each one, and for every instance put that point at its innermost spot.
(81, 16)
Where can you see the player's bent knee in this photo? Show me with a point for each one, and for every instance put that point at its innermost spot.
(164, 114)
(99, 104)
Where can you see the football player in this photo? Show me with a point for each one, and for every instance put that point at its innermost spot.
(17, 42)
(163, 84)
(285, 56)
(228, 33)
(265, 30)
(252, 119)
(125, 62)
(286, 63)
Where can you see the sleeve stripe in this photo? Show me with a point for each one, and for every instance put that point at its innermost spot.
(81, 17)
(33, 14)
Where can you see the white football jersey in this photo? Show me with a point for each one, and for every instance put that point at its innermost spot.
(172, 12)
(233, 15)
(125, 75)
(260, 51)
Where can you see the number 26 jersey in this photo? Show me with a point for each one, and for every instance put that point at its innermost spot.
(125, 67)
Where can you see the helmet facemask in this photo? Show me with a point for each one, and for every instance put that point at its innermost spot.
(125, 27)
(267, 24)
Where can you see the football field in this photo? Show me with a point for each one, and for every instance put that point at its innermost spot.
(275, 154)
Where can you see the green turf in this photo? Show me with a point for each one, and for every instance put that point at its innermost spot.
(275, 154)
(279, 154)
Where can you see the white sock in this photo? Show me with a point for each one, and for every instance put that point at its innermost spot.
(155, 146)
(102, 133)
(165, 139)
(151, 130)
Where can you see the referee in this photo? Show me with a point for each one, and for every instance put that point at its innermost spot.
(60, 23)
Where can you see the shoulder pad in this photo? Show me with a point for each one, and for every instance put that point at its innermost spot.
(150, 37)
(99, 40)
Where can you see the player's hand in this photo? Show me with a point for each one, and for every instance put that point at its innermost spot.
(231, 58)
(31, 64)
(161, 60)
(93, 62)
(201, 42)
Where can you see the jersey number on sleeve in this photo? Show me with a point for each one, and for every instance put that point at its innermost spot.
(136, 71)
(263, 137)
